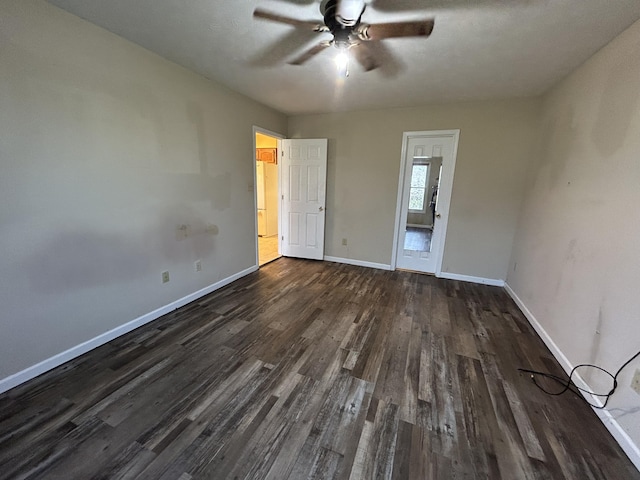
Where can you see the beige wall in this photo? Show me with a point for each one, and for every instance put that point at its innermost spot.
(105, 148)
(576, 261)
(364, 161)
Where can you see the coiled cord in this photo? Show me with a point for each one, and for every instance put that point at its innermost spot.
(569, 385)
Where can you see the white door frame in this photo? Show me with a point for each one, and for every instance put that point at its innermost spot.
(444, 193)
(279, 136)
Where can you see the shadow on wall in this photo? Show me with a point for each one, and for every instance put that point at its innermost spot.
(193, 188)
(562, 134)
(78, 259)
(617, 107)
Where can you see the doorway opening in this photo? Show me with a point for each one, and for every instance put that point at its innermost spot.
(267, 188)
(424, 193)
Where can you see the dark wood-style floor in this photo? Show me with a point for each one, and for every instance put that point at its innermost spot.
(312, 370)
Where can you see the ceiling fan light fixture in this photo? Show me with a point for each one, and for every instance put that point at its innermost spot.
(342, 63)
(342, 18)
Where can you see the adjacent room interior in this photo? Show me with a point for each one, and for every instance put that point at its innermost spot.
(267, 185)
(155, 307)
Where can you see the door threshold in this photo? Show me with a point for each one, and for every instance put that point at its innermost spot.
(269, 261)
(416, 271)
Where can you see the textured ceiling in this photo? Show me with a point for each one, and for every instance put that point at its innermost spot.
(479, 49)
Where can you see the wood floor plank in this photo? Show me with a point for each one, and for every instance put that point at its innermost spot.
(312, 370)
(402, 454)
(409, 403)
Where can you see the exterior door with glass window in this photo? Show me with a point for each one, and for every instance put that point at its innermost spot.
(427, 158)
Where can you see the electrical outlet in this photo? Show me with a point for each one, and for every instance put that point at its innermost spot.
(344, 241)
(198, 265)
(635, 381)
(165, 277)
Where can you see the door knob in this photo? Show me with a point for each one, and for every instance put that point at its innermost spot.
(321, 209)
(438, 215)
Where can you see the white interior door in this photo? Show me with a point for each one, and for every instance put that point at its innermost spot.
(424, 194)
(304, 180)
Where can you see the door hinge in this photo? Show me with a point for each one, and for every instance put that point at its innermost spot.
(283, 238)
(282, 197)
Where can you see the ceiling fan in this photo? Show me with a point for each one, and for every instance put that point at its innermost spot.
(343, 19)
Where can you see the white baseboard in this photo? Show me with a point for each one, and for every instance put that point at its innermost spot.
(358, 263)
(450, 276)
(624, 440)
(57, 360)
(468, 278)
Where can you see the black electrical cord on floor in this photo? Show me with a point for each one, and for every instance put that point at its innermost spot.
(569, 385)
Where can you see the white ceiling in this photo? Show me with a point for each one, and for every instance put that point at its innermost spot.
(479, 49)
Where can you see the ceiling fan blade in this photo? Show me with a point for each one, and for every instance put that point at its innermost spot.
(276, 53)
(365, 56)
(375, 55)
(312, 52)
(379, 31)
(274, 17)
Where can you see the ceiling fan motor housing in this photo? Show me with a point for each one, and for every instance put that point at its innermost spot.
(338, 16)
(341, 28)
